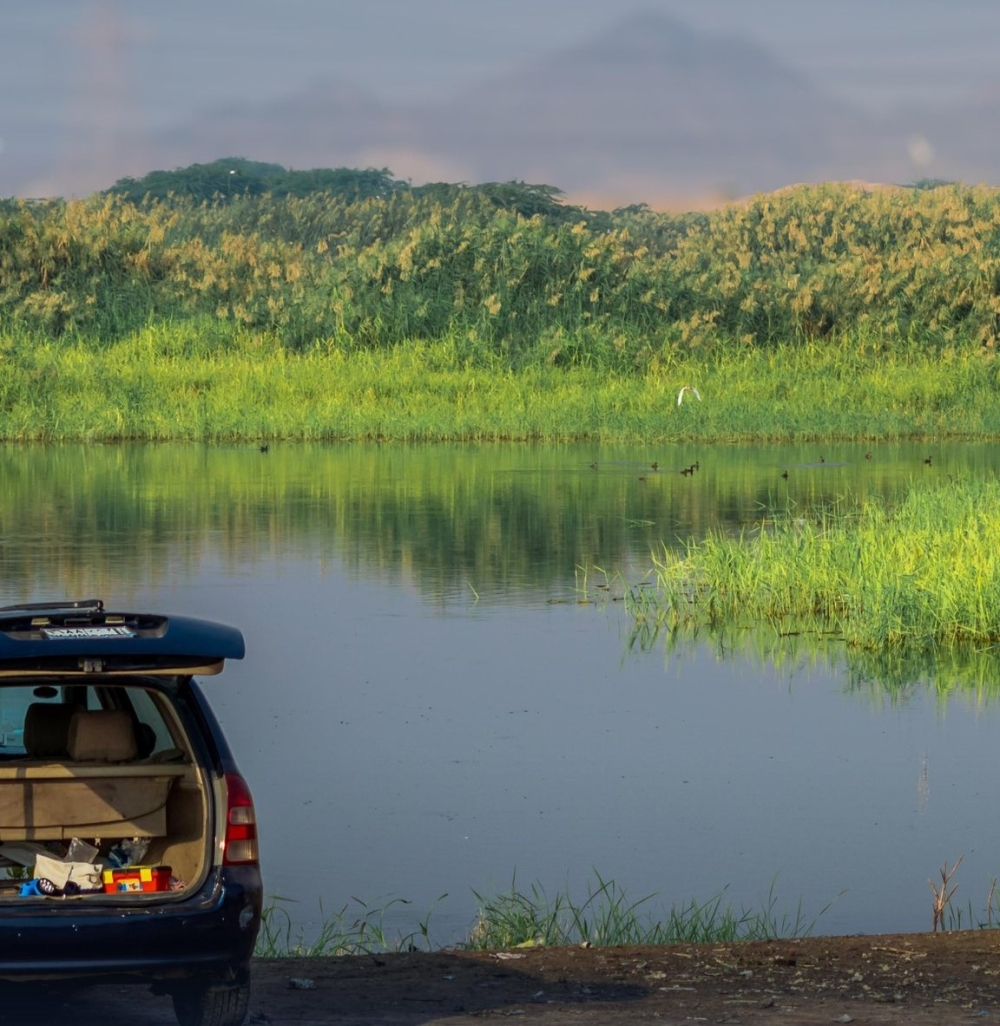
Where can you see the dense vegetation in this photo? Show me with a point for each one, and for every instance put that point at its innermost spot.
(621, 289)
(236, 258)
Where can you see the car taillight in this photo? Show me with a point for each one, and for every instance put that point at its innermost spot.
(240, 846)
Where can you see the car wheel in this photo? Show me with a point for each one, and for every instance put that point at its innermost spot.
(207, 1005)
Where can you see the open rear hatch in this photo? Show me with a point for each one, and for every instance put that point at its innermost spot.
(106, 791)
(82, 637)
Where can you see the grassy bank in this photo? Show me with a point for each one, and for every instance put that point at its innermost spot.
(918, 576)
(495, 313)
(604, 917)
(530, 917)
(209, 381)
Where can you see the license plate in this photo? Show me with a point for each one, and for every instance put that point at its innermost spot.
(64, 633)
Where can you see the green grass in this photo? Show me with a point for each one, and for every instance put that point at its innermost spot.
(607, 916)
(356, 929)
(519, 918)
(922, 574)
(208, 381)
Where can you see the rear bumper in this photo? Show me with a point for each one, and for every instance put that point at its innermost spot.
(209, 934)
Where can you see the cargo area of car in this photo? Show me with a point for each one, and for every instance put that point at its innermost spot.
(101, 795)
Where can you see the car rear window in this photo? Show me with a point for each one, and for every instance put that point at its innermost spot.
(148, 709)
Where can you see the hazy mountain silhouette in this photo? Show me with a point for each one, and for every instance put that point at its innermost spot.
(304, 129)
(656, 102)
(647, 110)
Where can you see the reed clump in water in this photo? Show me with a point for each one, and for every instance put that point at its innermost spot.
(919, 574)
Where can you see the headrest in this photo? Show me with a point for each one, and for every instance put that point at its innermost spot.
(101, 735)
(46, 729)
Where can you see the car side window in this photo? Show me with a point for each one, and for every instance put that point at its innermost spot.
(150, 721)
(14, 704)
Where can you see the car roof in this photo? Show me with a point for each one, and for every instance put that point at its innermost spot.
(82, 636)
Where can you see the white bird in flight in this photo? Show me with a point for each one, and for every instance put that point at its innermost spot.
(688, 388)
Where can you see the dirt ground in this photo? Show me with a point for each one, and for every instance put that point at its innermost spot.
(919, 979)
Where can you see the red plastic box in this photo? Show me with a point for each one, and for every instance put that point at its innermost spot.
(137, 878)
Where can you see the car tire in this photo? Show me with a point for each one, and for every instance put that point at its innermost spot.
(208, 1005)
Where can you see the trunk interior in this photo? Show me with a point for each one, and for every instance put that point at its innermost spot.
(102, 794)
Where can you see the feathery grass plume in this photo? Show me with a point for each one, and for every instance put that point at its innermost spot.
(811, 265)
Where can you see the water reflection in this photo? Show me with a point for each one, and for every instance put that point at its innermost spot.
(506, 523)
(428, 707)
(884, 675)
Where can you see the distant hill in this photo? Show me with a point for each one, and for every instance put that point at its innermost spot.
(655, 103)
(648, 110)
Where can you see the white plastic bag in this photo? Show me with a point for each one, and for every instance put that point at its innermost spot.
(85, 875)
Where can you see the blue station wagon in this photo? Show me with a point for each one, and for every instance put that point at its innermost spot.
(128, 839)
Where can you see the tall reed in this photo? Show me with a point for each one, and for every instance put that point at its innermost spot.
(623, 291)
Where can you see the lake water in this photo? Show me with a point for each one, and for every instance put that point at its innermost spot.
(439, 698)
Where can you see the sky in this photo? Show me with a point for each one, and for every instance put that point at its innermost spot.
(149, 64)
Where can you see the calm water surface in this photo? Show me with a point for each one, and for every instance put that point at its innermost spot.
(431, 704)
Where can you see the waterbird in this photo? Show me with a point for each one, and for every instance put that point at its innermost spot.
(265, 447)
(784, 474)
(928, 461)
(687, 470)
(868, 455)
(655, 465)
(688, 388)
